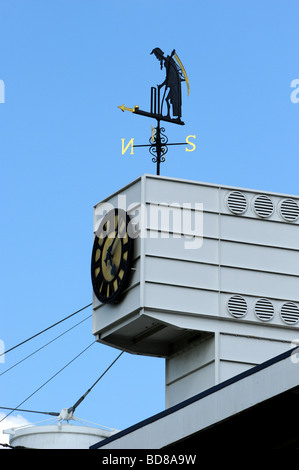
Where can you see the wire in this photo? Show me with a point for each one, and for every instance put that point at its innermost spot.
(72, 408)
(45, 383)
(46, 329)
(42, 347)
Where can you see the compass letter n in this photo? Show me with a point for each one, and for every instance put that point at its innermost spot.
(2, 100)
(124, 149)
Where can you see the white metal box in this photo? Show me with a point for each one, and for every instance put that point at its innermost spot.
(208, 259)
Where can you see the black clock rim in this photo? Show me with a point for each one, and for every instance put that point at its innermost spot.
(127, 271)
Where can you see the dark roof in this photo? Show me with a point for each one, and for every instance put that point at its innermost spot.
(270, 424)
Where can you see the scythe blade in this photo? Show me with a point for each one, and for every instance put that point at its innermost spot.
(183, 71)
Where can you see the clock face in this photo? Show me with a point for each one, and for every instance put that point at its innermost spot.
(112, 256)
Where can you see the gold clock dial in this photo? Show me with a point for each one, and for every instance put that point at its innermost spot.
(112, 256)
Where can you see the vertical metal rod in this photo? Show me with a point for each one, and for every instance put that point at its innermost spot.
(152, 96)
(158, 102)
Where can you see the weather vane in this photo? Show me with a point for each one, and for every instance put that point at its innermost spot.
(166, 105)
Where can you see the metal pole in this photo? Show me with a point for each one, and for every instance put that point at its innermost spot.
(158, 147)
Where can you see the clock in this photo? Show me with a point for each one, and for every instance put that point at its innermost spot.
(112, 256)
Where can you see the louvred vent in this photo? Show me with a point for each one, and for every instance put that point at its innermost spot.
(263, 206)
(289, 313)
(237, 202)
(264, 309)
(237, 306)
(289, 210)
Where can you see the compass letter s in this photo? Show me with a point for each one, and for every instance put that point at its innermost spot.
(190, 143)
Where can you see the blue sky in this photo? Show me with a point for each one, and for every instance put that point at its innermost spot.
(66, 66)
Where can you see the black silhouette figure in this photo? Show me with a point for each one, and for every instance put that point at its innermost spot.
(172, 83)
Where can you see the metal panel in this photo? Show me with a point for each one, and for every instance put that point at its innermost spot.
(259, 257)
(174, 248)
(254, 254)
(259, 283)
(261, 232)
(250, 350)
(181, 273)
(195, 382)
(171, 190)
(179, 299)
(190, 371)
(194, 356)
(107, 315)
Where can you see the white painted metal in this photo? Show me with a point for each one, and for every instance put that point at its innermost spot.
(57, 436)
(186, 279)
(210, 408)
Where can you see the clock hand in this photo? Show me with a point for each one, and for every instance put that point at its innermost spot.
(108, 255)
(109, 249)
(115, 246)
(113, 266)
